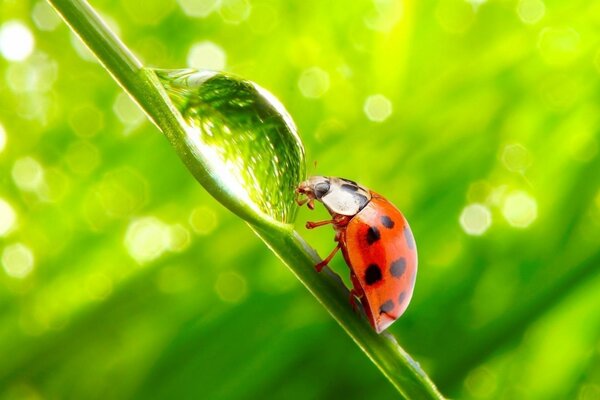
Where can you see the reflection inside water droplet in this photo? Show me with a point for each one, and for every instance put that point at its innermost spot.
(244, 134)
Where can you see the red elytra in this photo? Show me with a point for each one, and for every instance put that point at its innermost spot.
(376, 242)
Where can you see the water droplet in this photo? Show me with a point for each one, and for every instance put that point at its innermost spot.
(243, 135)
(16, 41)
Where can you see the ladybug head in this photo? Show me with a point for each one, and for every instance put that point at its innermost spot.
(313, 188)
(340, 196)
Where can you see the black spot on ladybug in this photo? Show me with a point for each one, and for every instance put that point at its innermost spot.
(401, 298)
(398, 267)
(410, 240)
(373, 274)
(373, 235)
(362, 200)
(349, 188)
(321, 189)
(387, 222)
(386, 307)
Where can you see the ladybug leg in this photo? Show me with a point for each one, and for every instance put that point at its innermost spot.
(301, 202)
(323, 263)
(312, 225)
(338, 220)
(353, 295)
(310, 202)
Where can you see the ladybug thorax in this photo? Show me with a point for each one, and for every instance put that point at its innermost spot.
(340, 196)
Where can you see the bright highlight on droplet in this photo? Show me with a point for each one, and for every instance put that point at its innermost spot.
(313, 82)
(28, 174)
(531, 11)
(17, 260)
(519, 209)
(2, 138)
(231, 287)
(203, 220)
(378, 108)
(475, 219)
(206, 55)
(16, 41)
(8, 218)
(147, 239)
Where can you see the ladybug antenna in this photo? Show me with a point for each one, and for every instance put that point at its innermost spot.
(314, 167)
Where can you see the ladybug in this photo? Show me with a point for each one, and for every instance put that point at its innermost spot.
(376, 242)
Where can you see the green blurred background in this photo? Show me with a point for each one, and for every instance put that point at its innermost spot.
(122, 278)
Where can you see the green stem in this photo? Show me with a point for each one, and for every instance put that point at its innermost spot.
(144, 87)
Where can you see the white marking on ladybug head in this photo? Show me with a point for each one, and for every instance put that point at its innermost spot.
(340, 196)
